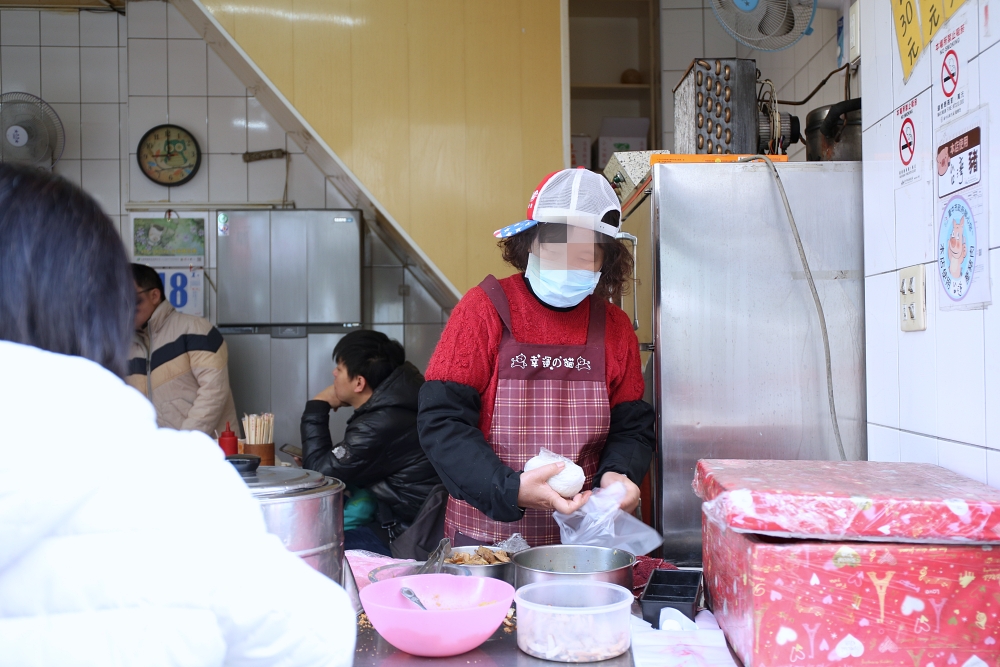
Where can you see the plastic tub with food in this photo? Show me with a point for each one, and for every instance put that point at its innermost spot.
(573, 621)
(484, 562)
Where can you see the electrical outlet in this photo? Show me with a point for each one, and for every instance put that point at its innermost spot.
(912, 286)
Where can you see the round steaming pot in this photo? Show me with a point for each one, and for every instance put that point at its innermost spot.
(570, 562)
(303, 508)
(828, 138)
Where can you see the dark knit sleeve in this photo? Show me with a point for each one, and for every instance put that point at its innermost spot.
(447, 420)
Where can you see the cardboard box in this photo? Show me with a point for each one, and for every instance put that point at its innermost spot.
(619, 135)
(856, 563)
(579, 151)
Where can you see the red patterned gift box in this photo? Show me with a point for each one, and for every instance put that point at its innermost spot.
(810, 603)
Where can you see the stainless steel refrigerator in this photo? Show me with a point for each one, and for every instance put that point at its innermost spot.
(289, 288)
(740, 369)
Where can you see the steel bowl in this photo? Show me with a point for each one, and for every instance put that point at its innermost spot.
(564, 562)
(409, 569)
(501, 571)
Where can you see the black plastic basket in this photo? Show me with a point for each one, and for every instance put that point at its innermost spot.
(680, 589)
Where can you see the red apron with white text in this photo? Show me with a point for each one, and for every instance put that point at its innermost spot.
(551, 396)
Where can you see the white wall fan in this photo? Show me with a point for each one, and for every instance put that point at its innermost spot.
(766, 25)
(30, 131)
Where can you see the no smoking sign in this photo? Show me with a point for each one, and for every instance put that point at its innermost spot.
(907, 141)
(949, 73)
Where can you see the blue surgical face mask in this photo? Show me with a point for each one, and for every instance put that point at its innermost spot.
(560, 288)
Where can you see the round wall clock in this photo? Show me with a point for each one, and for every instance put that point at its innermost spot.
(169, 155)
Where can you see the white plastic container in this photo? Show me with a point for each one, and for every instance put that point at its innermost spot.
(573, 621)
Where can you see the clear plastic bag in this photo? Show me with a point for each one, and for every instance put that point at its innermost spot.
(602, 523)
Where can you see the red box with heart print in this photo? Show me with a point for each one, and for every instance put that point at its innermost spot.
(854, 602)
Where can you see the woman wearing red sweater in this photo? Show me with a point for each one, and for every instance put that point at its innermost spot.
(539, 359)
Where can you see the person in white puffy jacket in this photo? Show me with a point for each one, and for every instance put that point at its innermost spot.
(122, 543)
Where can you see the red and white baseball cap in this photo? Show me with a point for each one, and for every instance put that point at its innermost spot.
(577, 197)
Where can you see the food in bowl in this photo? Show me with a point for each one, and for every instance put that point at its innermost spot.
(461, 614)
(573, 621)
(481, 556)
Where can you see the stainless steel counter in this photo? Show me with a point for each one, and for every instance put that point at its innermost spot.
(500, 650)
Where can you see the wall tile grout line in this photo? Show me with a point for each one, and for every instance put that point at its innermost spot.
(935, 437)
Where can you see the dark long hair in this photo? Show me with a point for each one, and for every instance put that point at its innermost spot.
(616, 271)
(65, 281)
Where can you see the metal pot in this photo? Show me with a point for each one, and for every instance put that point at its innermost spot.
(827, 136)
(565, 562)
(502, 571)
(303, 508)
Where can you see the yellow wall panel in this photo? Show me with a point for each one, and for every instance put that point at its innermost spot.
(495, 128)
(380, 100)
(437, 151)
(448, 111)
(322, 73)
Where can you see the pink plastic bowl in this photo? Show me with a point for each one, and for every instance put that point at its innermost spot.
(462, 612)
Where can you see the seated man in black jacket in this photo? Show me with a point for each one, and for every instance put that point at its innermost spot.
(380, 456)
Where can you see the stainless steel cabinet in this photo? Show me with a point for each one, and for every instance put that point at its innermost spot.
(290, 267)
(740, 370)
(289, 288)
(244, 268)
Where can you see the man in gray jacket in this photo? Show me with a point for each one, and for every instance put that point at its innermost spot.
(178, 361)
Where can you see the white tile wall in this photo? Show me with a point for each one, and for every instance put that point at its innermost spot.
(681, 37)
(178, 26)
(19, 27)
(221, 80)
(915, 448)
(964, 459)
(69, 114)
(263, 132)
(20, 69)
(991, 343)
(949, 375)
(877, 44)
(227, 178)
(60, 73)
(59, 28)
(98, 29)
(227, 124)
(99, 131)
(147, 66)
(188, 67)
(989, 31)
(878, 150)
(147, 19)
(917, 368)
(99, 74)
(882, 349)
(306, 183)
(993, 467)
(883, 444)
(989, 94)
(961, 394)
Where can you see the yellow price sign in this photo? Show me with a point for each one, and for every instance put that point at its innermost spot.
(908, 37)
(931, 18)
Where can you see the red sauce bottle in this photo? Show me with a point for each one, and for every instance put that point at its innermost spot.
(228, 442)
